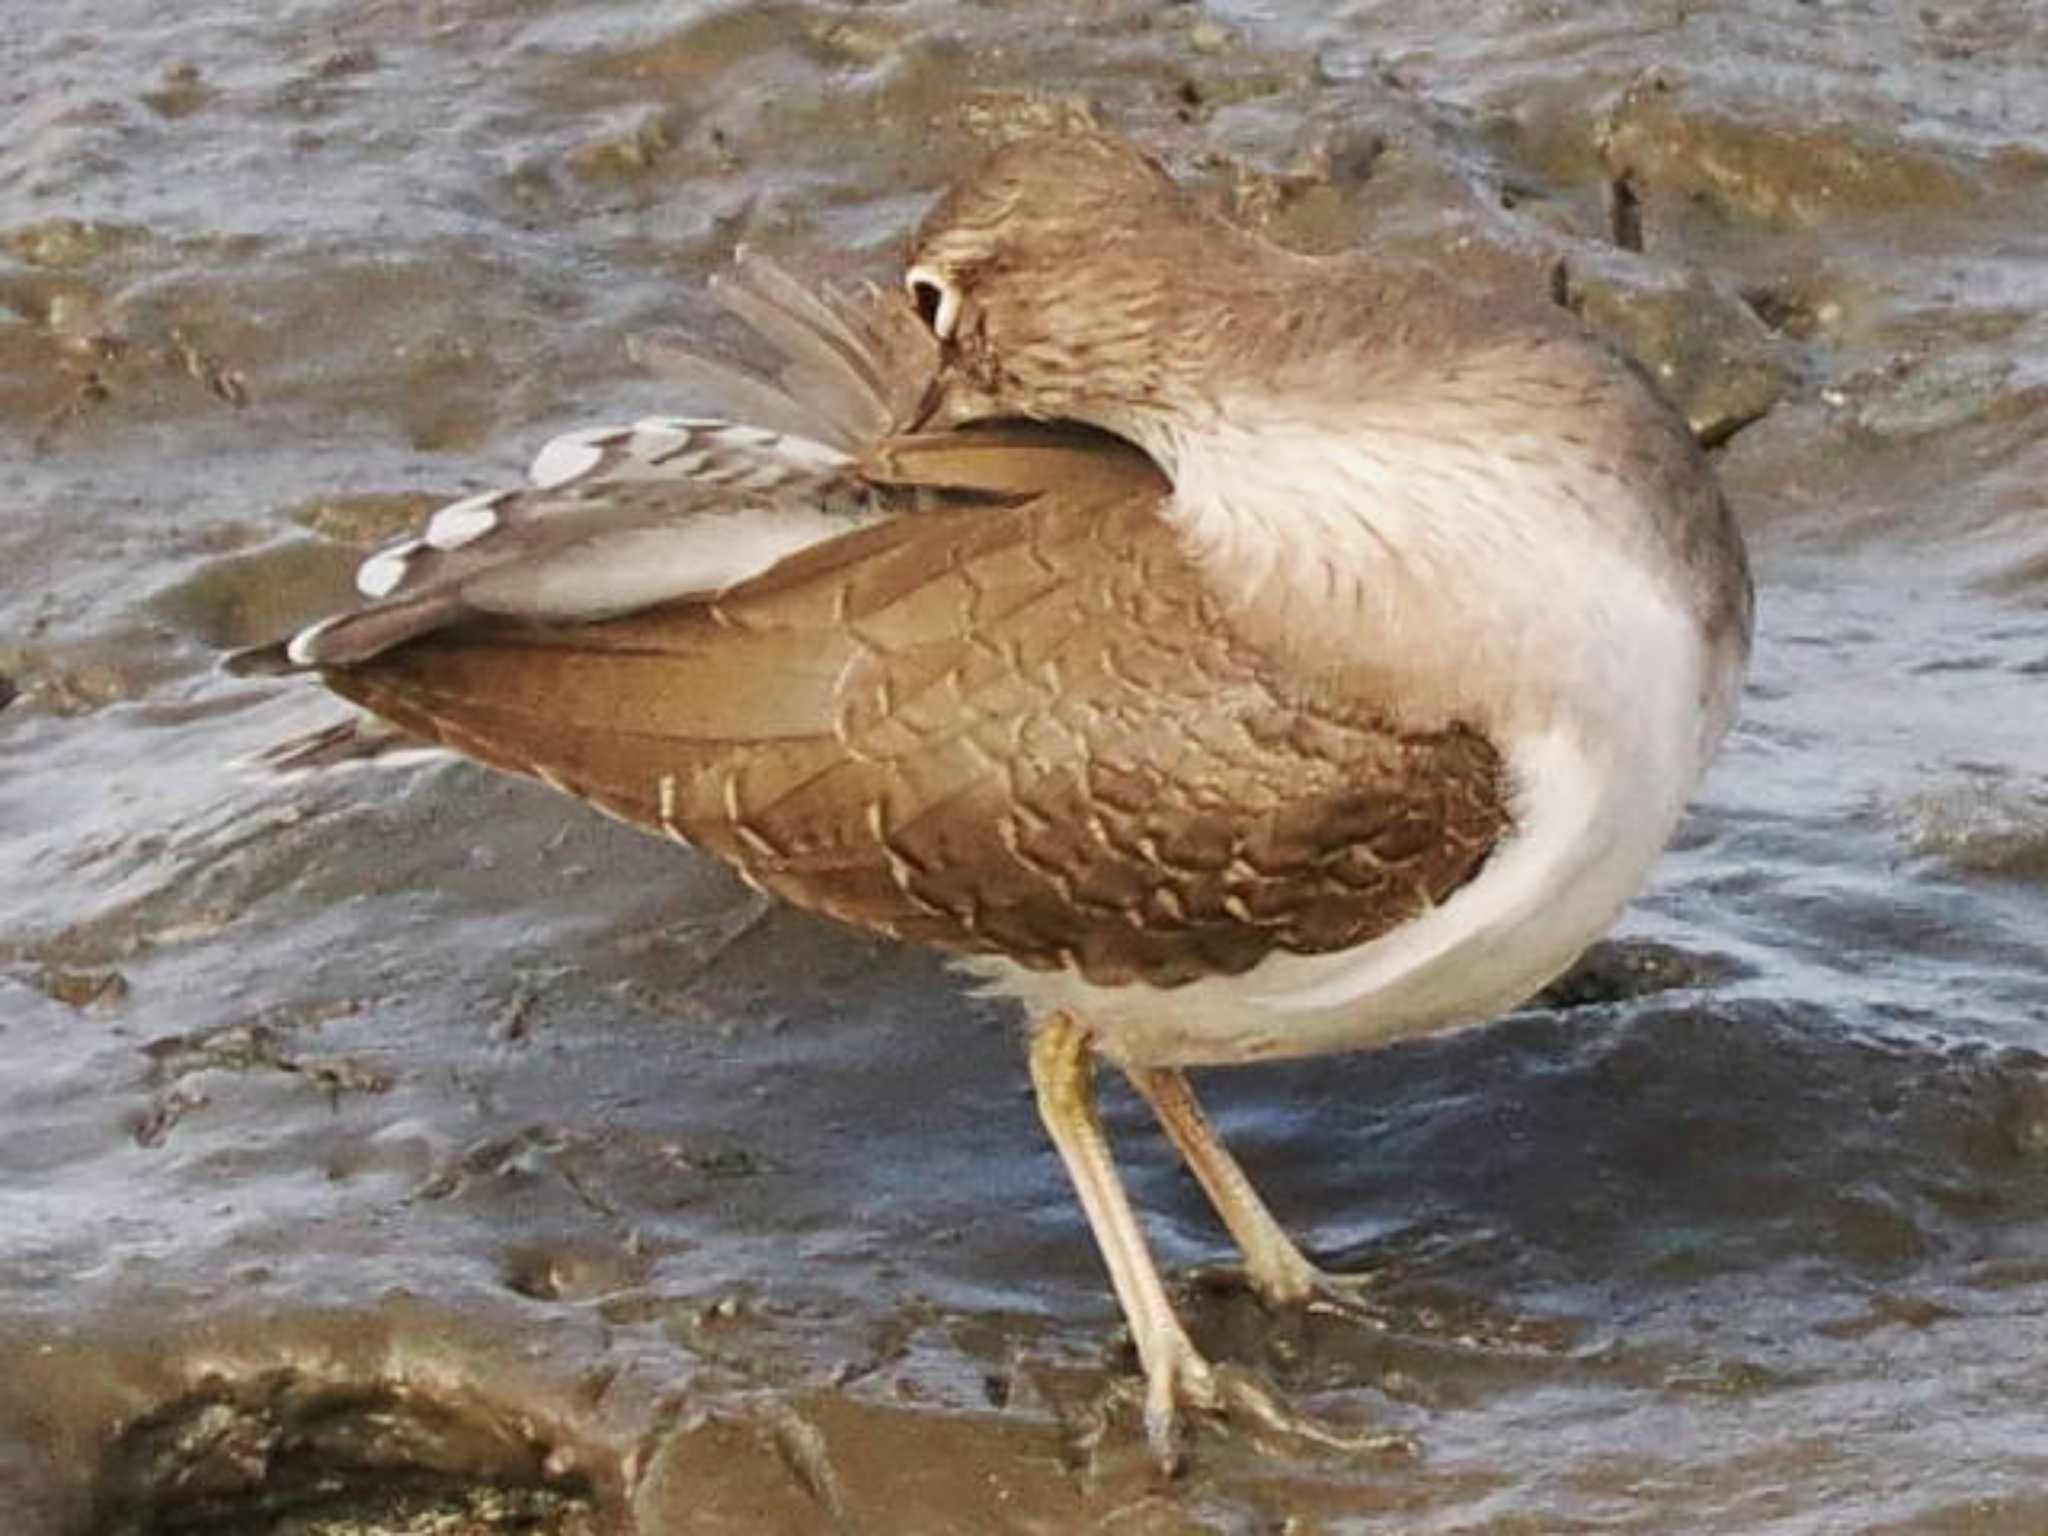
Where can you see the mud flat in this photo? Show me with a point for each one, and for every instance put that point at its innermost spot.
(397, 1149)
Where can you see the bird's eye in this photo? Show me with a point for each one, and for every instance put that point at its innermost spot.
(936, 298)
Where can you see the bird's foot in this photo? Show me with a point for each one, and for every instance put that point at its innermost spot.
(1182, 1379)
(1298, 1284)
(1345, 1294)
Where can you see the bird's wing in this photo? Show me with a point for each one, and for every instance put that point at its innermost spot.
(1024, 729)
(625, 517)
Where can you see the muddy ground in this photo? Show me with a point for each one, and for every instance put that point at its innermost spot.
(404, 1150)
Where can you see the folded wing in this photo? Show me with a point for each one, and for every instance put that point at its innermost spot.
(1020, 728)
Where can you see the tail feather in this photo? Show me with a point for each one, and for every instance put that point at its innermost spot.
(346, 638)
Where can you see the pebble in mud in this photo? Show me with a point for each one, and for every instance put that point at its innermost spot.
(1617, 970)
(570, 1271)
(364, 519)
(1982, 829)
(182, 92)
(83, 989)
(66, 682)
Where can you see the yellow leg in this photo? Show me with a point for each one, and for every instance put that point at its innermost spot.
(1176, 1374)
(1062, 1073)
(1276, 1268)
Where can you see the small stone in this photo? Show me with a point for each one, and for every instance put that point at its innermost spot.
(182, 93)
(369, 518)
(84, 989)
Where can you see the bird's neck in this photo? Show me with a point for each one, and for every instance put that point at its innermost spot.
(1448, 550)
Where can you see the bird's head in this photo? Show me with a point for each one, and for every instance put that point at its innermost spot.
(1057, 280)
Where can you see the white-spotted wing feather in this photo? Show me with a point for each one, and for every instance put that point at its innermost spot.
(670, 507)
(618, 518)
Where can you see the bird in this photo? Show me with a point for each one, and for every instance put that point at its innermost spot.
(1227, 653)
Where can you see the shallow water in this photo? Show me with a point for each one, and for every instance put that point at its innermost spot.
(385, 1137)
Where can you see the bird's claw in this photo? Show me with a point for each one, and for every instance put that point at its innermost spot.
(1186, 1380)
(1321, 1292)
(1342, 1293)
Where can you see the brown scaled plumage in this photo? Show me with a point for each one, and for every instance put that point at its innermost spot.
(1022, 730)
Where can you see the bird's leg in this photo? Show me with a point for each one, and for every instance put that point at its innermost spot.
(1062, 1074)
(1176, 1374)
(1276, 1269)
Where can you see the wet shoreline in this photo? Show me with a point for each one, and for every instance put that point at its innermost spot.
(396, 1144)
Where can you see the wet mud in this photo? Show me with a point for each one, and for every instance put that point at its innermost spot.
(389, 1148)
